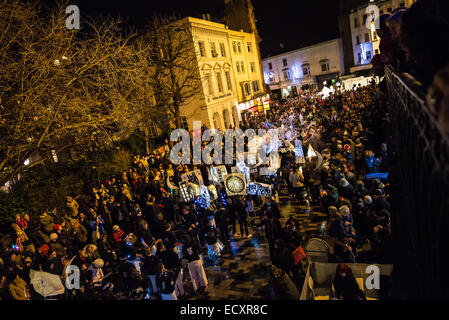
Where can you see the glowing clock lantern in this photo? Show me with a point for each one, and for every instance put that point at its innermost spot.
(235, 184)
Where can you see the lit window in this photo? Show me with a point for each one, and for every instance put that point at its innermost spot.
(306, 69)
(208, 84)
(324, 65)
(368, 55)
(247, 89)
(222, 49)
(255, 85)
(228, 79)
(366, 37)
(213, 50)
(219, 83)
(201, 47)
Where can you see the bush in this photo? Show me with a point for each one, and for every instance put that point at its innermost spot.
(119, 162)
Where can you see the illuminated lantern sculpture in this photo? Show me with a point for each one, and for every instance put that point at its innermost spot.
(235, 184)
(310, 152)
(213, 192)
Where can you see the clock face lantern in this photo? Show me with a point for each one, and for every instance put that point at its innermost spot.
(235, 184)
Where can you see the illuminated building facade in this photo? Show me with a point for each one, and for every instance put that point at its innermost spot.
(311, 66)
(229, 66)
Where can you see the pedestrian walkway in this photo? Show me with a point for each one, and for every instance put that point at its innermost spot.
(244, 272)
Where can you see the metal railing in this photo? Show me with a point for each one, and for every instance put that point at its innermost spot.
(420, 195)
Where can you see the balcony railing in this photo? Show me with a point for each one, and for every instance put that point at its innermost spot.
(420, 195)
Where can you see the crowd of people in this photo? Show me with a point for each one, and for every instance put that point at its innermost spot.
(136, 237)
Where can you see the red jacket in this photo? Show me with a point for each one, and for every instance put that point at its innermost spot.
(117, 235)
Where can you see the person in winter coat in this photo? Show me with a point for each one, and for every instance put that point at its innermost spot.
(273, 230)
(117, 236)
(221, 218)
(73, 206)
(283, 286)
(18, 288)
(346, 189)
(296, 179)
(191, 252)
(96, 272)
(214, 246)
(172, 263)
(46, 222)
(166, 281)
(345, 285)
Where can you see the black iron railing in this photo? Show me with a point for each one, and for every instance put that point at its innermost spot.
(420, 199)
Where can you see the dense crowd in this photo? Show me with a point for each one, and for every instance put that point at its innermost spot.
(136, 236)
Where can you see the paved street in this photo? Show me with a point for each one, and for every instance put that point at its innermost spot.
(244, 272)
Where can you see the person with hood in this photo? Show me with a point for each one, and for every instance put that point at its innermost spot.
(346, 189)
(345, 284)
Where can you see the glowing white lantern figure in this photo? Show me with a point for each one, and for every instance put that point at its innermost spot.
(310, 152)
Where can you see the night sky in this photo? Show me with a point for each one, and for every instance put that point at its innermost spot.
(295, 24)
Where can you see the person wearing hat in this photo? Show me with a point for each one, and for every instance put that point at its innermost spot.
(56, 246)
(96, 272)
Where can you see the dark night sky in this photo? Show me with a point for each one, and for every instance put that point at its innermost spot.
(294, 23)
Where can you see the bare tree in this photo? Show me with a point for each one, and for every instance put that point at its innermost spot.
(176, 78)
(58, 87)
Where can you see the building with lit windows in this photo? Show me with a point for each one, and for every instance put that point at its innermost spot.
(311, 66)
(229, 66)
(365, 41)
